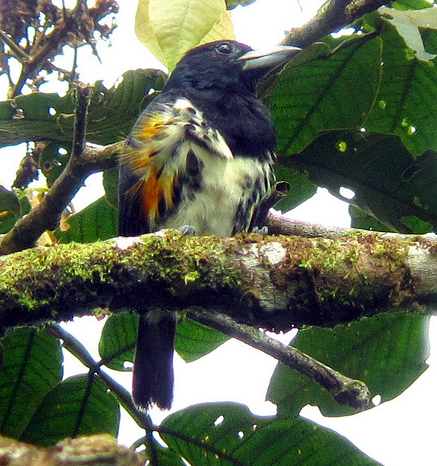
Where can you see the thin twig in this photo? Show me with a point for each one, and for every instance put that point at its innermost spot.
(17, 51)
(345, 390)
(76, 348)
(80, 121)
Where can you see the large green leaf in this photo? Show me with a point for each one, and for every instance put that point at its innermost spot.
(407, 97)
(411, 4)
(98, 221)
(194, 340)
(10, 209)
(80, 405)
(388, 352)
(32, 366)
(389, 183)
(117, 342)
(301, 188)
(229, 434)
(112, 112)
(322, 94)
(169, 28)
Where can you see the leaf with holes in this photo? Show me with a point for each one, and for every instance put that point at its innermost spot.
(389, 184)
(406, 102)
(229, 434)
(32, 366)
(111, 113)
(322, 94)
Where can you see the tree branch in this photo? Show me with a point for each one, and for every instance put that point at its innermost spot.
(345, 390)
(46, 215)
(93, 450)
(332, 16)
(271, 282)
(76, 348)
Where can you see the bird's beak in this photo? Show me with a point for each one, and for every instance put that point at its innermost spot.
(268, 58)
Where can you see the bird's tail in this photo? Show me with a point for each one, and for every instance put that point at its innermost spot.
(153, 369)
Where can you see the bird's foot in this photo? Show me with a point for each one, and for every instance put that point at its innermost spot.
(187, 230)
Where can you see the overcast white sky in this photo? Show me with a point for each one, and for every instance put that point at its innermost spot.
(397, 433)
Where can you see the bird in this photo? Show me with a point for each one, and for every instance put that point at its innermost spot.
(199, 158)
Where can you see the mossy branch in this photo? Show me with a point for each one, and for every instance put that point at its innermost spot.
(270, 282)
(92, 450)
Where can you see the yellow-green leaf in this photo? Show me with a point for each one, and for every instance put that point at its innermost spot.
(169, 28)
(223, 29)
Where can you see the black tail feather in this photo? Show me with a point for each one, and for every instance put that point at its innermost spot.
(153, 369)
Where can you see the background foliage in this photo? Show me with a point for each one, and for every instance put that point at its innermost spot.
(356, 110)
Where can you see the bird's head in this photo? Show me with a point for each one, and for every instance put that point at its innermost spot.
(227, 64)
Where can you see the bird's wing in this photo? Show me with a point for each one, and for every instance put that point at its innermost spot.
(159, 157)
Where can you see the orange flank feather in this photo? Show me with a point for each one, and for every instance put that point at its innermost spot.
(155, 191)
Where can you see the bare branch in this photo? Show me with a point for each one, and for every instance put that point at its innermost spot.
(46, 215)
(76, 348)
(345, 390)
(333, 16)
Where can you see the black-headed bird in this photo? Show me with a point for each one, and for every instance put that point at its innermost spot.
(200, 157)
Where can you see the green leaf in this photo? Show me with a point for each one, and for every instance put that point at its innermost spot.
(10, 209)
(194, 340)
(388, 352)
(363, 220)
(112, 112)
(54, 159)
(389, 184)
(117, 342)
(110, 184)
(169, 28)
(32, 366)
(406, 101)
(322, 94)
(80, 405)
(411, 4)
(301, 188)
(229, 434)
(98, 221)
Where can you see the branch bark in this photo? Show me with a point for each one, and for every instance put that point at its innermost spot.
(332, 16)
(272, 282)
(345, 390)
(46, 215)
(93, 450)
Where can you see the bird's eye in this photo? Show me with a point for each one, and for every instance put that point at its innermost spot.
(225, 49)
